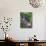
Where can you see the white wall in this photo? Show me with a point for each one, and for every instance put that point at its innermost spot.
(12, 8)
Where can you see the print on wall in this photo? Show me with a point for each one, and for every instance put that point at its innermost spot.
(25, 19)
(35, 3)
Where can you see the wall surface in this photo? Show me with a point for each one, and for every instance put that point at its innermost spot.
(12, 8)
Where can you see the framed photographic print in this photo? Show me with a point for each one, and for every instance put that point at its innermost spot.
(25, 19)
